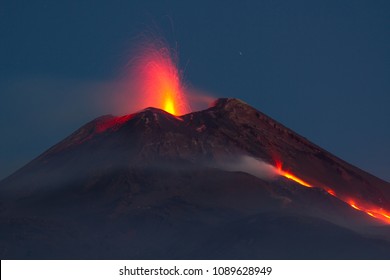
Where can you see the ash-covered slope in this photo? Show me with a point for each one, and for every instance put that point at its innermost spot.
(146, 186)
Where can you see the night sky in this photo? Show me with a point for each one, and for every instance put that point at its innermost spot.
(319, 67)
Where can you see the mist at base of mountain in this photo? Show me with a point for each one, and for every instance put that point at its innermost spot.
(202, 213)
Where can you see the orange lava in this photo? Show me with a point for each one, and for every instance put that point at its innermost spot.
(331, 192)
(291, 176)
(354, 206)
(157, 80)
(375, 212)
(295, 179)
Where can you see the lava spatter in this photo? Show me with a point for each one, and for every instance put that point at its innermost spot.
(157, 80)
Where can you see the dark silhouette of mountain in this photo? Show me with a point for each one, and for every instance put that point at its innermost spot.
(150, 186)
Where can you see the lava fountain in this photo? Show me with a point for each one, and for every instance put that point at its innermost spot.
(156, 80)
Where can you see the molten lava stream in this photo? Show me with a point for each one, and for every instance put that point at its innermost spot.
(295, 179)
(377, 213)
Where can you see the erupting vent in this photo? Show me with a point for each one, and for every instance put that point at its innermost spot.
(157, 80)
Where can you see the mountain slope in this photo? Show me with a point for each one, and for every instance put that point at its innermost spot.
(119, 187)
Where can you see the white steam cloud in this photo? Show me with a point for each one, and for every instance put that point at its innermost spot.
(251, 166)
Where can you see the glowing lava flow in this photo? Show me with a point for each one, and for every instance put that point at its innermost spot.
(291, 176)
(375, 212)
(295, 179)
(157, 79)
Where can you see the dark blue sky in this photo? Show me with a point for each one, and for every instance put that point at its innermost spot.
(319, 67)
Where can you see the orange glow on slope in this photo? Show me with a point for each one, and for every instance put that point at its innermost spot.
(291, 176)
(295, 179)
(354, 206)
(331, 192)
(377, 213)
(156, 80)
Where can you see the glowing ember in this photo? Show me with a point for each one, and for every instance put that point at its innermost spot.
(331, 192)
(377, 213)
(372, 215)
(156, 79)
(354, 206)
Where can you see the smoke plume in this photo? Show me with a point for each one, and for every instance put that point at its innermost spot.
(251, 166)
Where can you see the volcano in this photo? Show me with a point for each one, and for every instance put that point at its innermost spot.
(151, 185)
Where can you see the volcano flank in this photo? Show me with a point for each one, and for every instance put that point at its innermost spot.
(151, 185)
